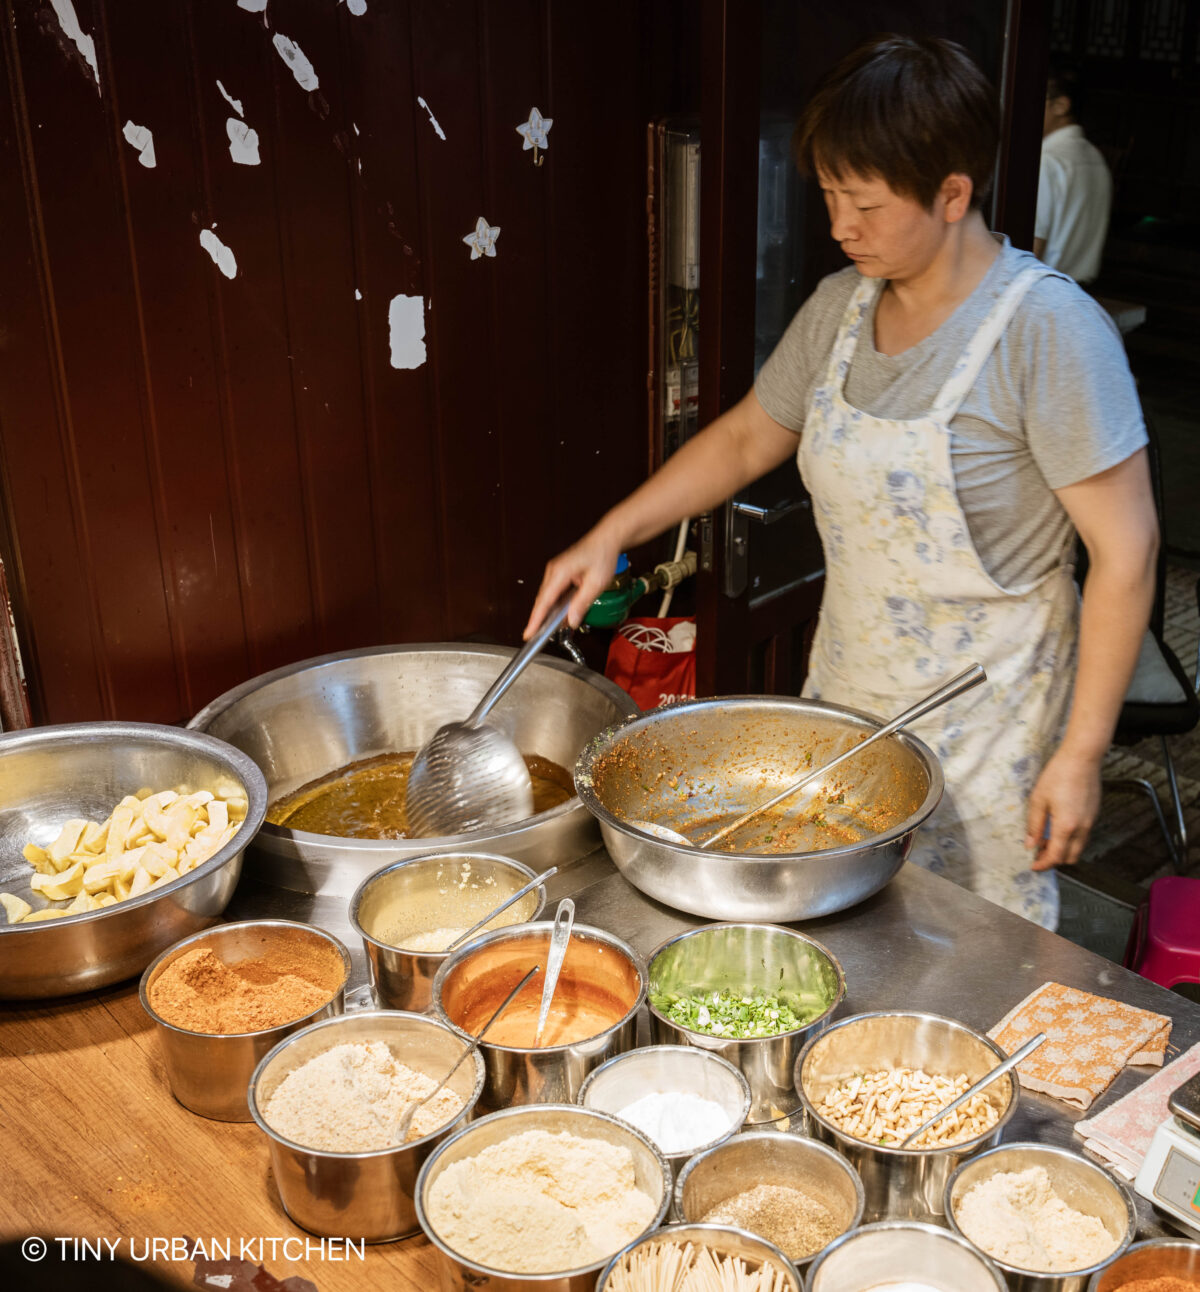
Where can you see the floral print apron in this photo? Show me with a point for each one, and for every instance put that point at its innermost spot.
(908, 603)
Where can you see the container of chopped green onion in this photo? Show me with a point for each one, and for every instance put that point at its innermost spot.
(752, 993)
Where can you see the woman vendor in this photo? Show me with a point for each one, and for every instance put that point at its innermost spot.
(958, 412)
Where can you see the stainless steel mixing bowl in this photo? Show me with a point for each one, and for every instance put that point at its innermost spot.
(754, 959)
(708, 761)
(371, 1194)
(1084, 1186)
(901, 1183)
(768, 1157)
(50, 774)
(457, 1272)
(304, 721)
(459, 889)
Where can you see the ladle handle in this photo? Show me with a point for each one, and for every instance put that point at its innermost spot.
(964, 681)
(552, 623)
(564, 922)
(986, 1080)
(536, 882)
(407, 1122)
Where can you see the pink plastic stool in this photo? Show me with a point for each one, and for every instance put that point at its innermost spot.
(1164, 944)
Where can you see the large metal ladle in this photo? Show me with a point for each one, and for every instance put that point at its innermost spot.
(964, 681)
(470, 775)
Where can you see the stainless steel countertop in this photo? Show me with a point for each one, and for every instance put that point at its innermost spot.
(922, 943)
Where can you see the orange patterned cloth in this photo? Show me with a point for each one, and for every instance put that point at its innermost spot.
(1089, 1039)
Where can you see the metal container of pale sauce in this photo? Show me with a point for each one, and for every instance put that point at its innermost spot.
(593, 1015)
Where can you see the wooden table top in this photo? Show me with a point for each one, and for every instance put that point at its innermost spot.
(95, 1147)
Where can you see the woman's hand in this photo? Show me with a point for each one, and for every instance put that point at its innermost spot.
(589, 565)
(1067, 796)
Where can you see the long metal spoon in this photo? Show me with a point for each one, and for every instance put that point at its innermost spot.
(407, 1120)
(964, 681)
(986, 1080)
(535, 882)
(470, 775)
(564, 922)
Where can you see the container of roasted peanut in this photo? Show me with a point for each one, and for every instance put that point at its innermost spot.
(868, 1082)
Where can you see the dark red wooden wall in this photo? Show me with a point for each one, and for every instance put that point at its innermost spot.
(204, 478)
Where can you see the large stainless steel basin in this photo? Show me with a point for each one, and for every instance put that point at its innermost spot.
(303, 721)
(708, 761)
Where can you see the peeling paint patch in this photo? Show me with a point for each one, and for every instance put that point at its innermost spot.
(141, 139)
(433, 121)
(235, 104)
(356, 7)
(253, 6)
(65, 12)
(294, 57)
(406, 326)
(243, 142)
(357, 294)
(223, 258)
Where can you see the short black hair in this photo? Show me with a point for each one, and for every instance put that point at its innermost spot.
(910, 110)
(1063, 79)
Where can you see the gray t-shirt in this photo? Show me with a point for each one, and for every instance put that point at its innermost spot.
(1054, 404)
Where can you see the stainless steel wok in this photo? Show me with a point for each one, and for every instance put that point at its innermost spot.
(705, 762)
(301, 722)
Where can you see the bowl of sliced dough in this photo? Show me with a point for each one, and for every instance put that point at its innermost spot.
(116, 840)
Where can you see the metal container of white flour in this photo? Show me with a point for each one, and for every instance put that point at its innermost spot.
(1084, 1186)
(367, 1195)
(458, 1272)
(668, 1070)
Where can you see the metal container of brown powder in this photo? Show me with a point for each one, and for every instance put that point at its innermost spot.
(209, 1072)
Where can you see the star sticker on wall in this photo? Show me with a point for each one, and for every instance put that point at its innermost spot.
(483, 241)
(534, 132)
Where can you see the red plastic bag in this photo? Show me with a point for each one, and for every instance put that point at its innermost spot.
(653, 676)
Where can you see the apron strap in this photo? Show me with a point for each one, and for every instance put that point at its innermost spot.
(979, 349)
(846, 342)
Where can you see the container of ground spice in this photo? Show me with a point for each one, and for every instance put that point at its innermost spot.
(1047, 1217)
(794, 1192)
(331, 1099)
(408, 913)
(1160, 1265)
(223, 998)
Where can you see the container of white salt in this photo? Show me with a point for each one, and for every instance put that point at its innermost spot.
(686, 1100)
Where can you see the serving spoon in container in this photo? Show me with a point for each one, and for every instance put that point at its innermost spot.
(564, 922)
(469, 775)
(964, 681)
(407, 1120)
(986, 1080)
(535, 882)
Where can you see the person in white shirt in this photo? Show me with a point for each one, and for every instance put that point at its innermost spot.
(1074, 187)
